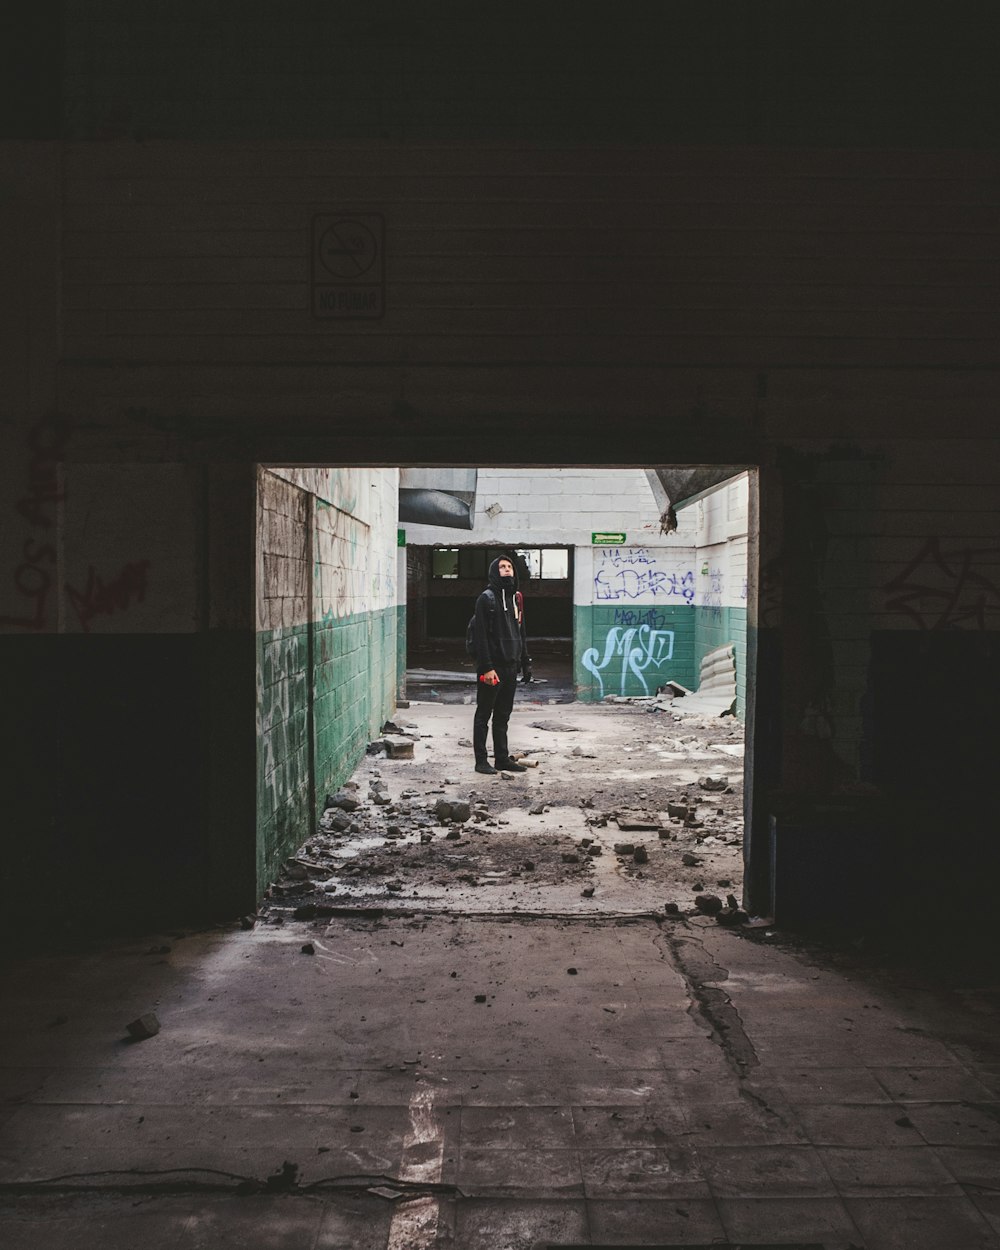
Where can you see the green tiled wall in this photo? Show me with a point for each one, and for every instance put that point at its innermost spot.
(282, 744)
(648, 634)
(714, 627)
(354, 674)
(696, 631)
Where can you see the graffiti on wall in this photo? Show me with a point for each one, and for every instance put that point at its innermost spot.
(713, 595)
(944, 589)
(33, 577)
(633, 573)
(640, 652)
(655, 618)
(100, 598)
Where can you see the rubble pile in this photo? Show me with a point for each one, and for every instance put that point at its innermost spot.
(611, 796)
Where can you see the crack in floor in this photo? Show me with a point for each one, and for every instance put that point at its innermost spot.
(708, 1002)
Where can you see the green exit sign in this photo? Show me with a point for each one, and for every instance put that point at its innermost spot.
(607, 540)
(400, 538)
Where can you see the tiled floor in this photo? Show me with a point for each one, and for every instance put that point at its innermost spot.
(588, 1109)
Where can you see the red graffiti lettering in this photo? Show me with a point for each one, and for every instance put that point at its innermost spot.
(104, 599)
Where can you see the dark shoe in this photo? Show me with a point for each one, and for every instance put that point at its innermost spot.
(512, 766)
(484, 766)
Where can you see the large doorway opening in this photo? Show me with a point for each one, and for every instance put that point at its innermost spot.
(634, 789)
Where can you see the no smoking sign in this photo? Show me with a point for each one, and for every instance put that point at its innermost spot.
(348, 266)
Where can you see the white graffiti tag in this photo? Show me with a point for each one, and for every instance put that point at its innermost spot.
(654, 647)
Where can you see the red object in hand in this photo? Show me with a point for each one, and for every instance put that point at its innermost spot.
(488, 680)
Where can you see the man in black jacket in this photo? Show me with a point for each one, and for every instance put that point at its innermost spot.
(500, 651)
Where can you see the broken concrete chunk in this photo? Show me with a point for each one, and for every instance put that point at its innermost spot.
(442, 809)
(554, 726)
(636, 822)
(399, 748)
(689, 860)
(587, 891)
(677, 811)
(712, 783)
(624, 848)
(143, 1026)
(710, 904)
(460, 811)
(506, 776)
(671, 909)
(342, 799)
(640, 855)
(537, 810)
(732, 917)
(570, 857)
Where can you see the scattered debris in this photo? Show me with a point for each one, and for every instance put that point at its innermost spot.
(640, 855)
(713, 783)
(689, 860)
(554, 726)
(537, 810)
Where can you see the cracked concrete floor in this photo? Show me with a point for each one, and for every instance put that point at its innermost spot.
(444, 1079)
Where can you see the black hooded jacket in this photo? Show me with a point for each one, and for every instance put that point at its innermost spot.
(498, 632)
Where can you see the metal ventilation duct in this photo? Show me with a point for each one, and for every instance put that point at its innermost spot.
(445, 497)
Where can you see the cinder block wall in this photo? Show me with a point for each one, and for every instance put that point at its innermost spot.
(722, 577)
(326, 640)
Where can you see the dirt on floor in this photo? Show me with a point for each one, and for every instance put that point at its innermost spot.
(624, 807)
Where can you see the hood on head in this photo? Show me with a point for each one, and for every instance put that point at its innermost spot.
(493, 577)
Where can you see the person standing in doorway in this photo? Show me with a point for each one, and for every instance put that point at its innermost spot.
(500, 646)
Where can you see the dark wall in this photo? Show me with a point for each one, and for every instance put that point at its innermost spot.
(752, 234)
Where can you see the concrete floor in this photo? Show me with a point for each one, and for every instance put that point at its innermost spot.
(683, 1086)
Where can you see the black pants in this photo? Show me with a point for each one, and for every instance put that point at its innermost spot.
(495, 701)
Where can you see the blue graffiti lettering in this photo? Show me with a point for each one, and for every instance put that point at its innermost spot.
(655, 647)
(630, 583)
(628, 555)
(655, 618)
